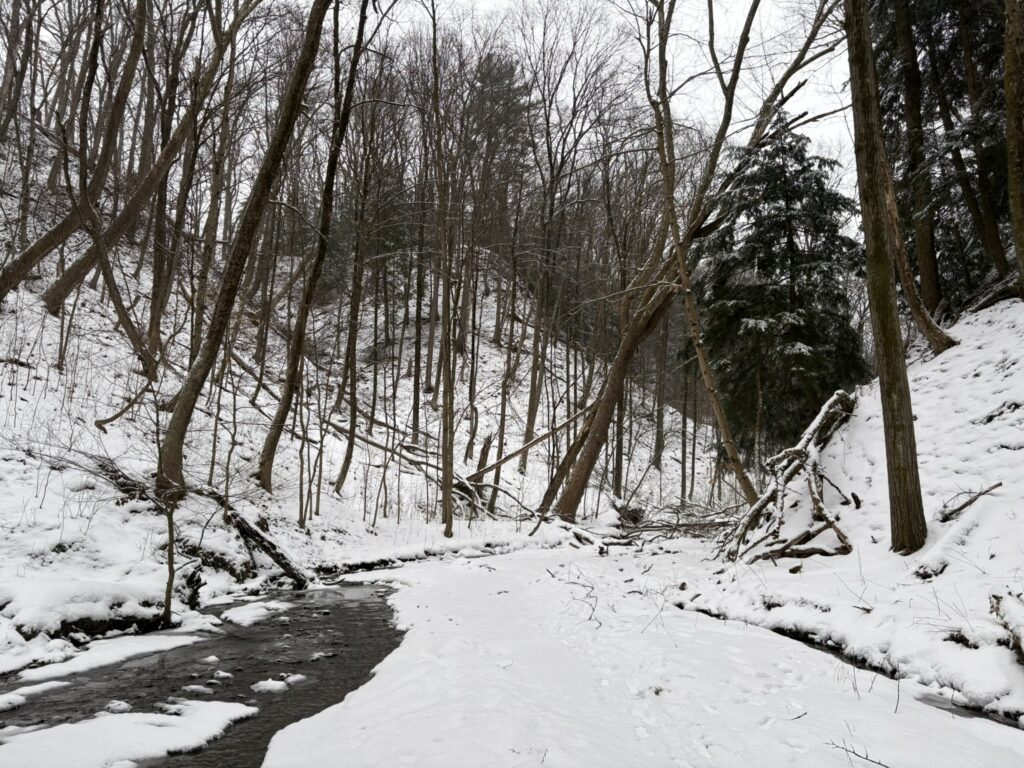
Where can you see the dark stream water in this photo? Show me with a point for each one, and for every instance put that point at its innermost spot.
(334, 637)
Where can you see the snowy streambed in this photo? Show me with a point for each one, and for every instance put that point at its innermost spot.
(270, 663)
(565, 658)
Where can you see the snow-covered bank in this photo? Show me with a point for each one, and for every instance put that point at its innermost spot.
(114, 740)
(564, 658)
(927, 616)
(81, 557)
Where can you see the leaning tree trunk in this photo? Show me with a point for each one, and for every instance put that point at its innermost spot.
(18, 269)
(874, 181)
(56, 294)
(917, 171)
(681, 243)
(342, 112)
(170, 474)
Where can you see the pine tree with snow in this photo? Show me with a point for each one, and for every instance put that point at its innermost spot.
(775, 284)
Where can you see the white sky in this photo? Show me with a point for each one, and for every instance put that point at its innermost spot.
(776, 29)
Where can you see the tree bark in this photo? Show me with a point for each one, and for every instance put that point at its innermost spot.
(906, 510)
(170, 471)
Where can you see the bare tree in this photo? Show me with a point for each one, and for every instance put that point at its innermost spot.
(342, 112)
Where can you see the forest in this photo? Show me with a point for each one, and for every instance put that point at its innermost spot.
(643, 376)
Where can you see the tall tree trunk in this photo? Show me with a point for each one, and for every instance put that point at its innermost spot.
(919, 176)
(342, 112)
(170, 472)
(874, 181)
(447, 357)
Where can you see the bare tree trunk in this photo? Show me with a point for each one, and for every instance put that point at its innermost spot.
(16, 271)
(447, 357)
(918, 173)
(57, 293)
(981, 216)
(659, 395)
(1014, 84)
(875, 184)
(170, 473)
(342, 112)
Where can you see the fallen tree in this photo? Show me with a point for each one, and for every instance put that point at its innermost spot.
(761, 525)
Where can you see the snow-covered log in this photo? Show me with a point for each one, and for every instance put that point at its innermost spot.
(785, 467)
(254, 537)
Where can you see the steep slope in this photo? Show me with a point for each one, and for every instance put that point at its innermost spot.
(84, 550)
(929, 616)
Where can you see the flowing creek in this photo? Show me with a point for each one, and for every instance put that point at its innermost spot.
(334, 637)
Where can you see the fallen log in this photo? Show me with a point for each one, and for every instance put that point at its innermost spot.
(785, 466)
(257, 539)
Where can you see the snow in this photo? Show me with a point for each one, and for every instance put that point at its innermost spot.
(519, 650)
(926, 617)
(79, 558)
(248, 614)
(102, 652)
(562, 658)
(19, 696)
(103, 740)
(270, 686)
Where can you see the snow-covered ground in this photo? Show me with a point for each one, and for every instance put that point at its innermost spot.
(519, 650)
(927, 616)
(566, 658)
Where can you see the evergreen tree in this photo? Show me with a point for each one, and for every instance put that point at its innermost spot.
(777, 319)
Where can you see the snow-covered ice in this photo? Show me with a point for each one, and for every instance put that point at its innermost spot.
(102, 741)
(248, 614)
(270, 686)
(99, 653)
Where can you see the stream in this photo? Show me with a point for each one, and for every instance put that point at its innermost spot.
(332, 637)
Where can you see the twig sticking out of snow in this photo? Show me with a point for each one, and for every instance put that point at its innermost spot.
(853, 751)
(945, 515)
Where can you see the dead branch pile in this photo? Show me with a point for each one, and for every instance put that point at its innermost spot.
(761, 526)
(690, 519)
